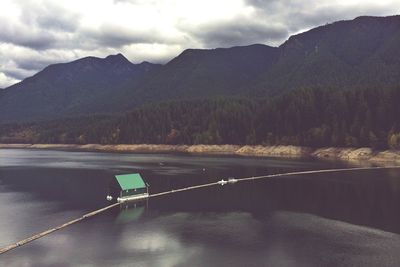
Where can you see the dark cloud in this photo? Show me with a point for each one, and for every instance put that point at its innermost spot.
(135, 2)
(39, 33)
(116, 36)
(274, 7)
(328, 14)
(49, 16)
(17, 74)
(38, 27)
(302, 15)
(58, 22)
(27, 38)
(235, 33)
(34, 64)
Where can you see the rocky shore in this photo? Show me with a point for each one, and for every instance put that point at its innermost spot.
(356, 155)
(361, 155)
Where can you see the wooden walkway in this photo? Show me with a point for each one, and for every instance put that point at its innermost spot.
(93, 213)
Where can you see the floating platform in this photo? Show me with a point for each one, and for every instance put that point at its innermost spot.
(127, 188)
(132, 198)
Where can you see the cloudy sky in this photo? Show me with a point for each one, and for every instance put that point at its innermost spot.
(36, 33)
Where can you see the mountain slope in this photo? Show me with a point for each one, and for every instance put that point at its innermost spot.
(79, 87)
(350, 54)
(345, 54)
(207, 73)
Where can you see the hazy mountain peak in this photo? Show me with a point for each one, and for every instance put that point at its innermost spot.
(193, 51)
(118, 58)
(216, 54)
(364, 18)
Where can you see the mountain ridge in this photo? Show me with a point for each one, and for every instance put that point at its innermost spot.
(341, 55)
(70, 88)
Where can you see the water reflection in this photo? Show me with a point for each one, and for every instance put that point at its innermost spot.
(215, 239)
(130, 212)
(332, 219)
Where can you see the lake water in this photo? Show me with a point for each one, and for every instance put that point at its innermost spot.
(337, 219)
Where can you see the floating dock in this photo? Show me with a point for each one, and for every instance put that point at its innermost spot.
(133, 198)
(128, 187)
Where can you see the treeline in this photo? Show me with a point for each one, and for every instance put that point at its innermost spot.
(307, 117)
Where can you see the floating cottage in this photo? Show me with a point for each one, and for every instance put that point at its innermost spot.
(128, 187)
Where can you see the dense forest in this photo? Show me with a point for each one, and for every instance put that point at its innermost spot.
(307, 117)
(358, 53)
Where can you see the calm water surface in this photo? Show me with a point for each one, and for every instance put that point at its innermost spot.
(341, 219)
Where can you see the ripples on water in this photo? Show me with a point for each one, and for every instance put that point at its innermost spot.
(346, 219)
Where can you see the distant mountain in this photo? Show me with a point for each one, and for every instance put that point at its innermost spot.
(205, 73)
(79, 87)
(343, 55)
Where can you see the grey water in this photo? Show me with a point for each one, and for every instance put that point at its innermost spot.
(336, 219)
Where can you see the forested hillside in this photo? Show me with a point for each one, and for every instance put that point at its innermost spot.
(310, 117)
(84, 86)
(355, 54)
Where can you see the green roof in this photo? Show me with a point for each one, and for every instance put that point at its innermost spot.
(130, 181)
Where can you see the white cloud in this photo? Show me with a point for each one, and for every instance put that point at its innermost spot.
(6, 81)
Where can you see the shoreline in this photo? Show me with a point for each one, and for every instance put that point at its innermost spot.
(352, 155)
